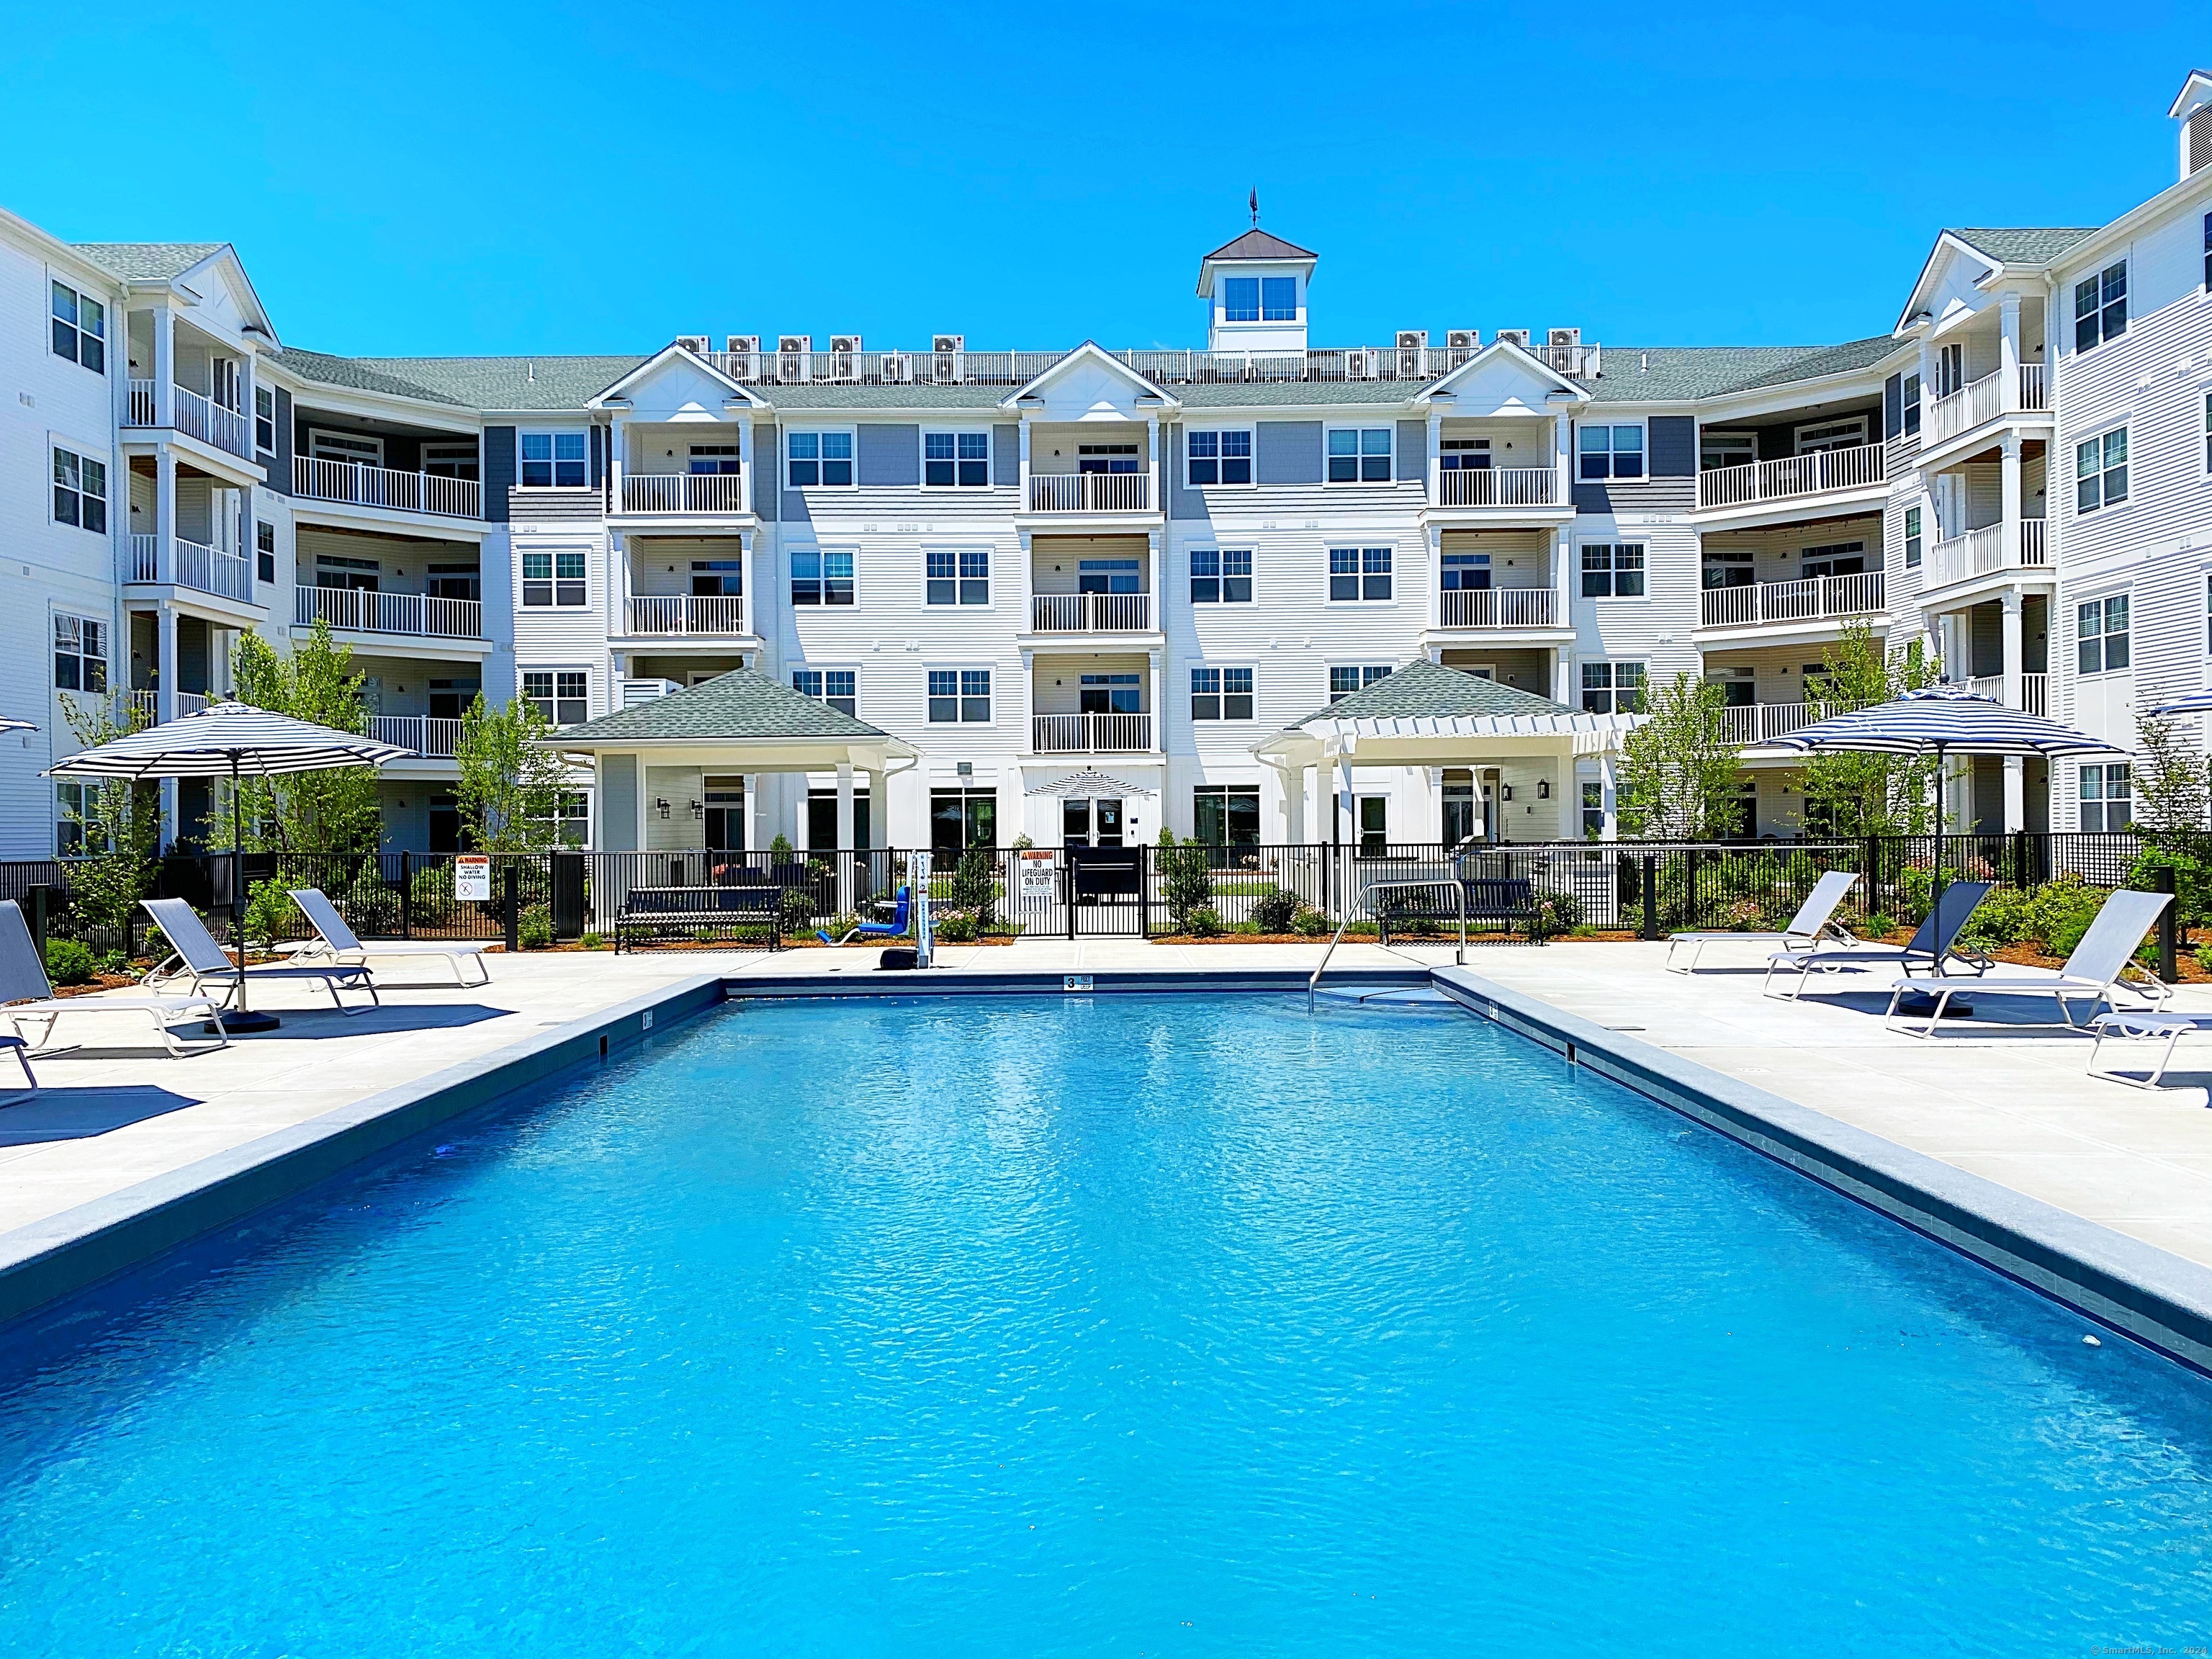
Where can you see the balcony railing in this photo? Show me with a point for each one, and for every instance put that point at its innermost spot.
(1986, 551)
(1497, 607)
(1813, 598)
(211, 423)
(1080, 734)
(192, 564)
(1984, 400)
(682, 492)
(1756, 482)
(1090, 492)
(671, 614)
(1505, 486)
(366, 611)
(1758, 722)
(438, 737)
(2034, 691)
(1091, 613)
(1418, 363)
(145, 409)
(146, 704)
(319, 480)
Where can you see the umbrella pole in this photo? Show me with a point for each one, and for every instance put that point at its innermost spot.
(239, 1018)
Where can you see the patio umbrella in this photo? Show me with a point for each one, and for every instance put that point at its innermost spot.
(9, 723)
(2196, 702)
(236, 741)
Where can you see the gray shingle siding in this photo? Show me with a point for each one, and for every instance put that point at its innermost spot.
(618, 802)
(1413, 451)
(1287, 452)
(281, 479)
(1673, 445)
(1006, 456)
(887, 455)
(768, 471)
(498, 470)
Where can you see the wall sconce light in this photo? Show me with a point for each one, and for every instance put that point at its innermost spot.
(1505, 790)
(1543, 789)
(663, 805)
(698, 809)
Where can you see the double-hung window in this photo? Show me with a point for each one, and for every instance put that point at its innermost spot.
(1110, 694)
(1358, 573)
(1360, 454)
(1912, 400)
(2100, 635)
(79, 490)
(1912, 544)
(956, 575)
(2100, 472)
(559, 694)
(960, 696)
(2207, 252)
(1344, 679)
(1464, 572)
(818, 458)
(2107, 797)
(264, 552)
(553, 460)
(1219, 458)
(821, 575)
(553, 579)
(2208, 432)
(1221, 575)
(2100, 306)
(78, 831)
(80, 328)
(1613, 687)
(838, 687)
(1611, 452)
(1612, 570)
(265, 420)
(80, 654)
(956, 460)
(1221, 694)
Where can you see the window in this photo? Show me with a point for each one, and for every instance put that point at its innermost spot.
(1911, 538)
(1109, 694)
(1360, 454)
(1950, 368)
(571, 817)
(1107, 576)
(718, 579)
(956, 460)
(957, 576)
(79, 490)
(455, 581)
(2100, 472)
(1344, 680)
(2208, 432)
(1613, 687)
(821, 575)
(1279, 298)
(555, 578)
(454, 459)
(1259, 298)
(1728, 566)
(960, 696)
(1612, 452)
(1221, 694)
(346, 446)
(1220, 458)
(1612, 570)
(76, 829)
(80, 654)
(1120, 460)
(838, 687)
(1718, 449)
(1359, 573)
(265, 551)
(265, 420)
(79, 328)
(2107, 797)
(1463, 454)
(1221, 575)
(1240, 298)
(2208, 251)
(2100, 306)
(818, 458)
(1593, 810)
(1465, 572)
(559, 694)
(1738, 686)
(2100, 635)
(1226, 815)
(1834, 559)
(1911, 403)
(961, 819)
(1832, 434)
(553, 460)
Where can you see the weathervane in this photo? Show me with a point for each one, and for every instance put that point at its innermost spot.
(1255, 207)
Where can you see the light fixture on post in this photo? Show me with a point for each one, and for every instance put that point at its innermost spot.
(698, 809)
(662, 803)
(1505, 791)
(1543, 789)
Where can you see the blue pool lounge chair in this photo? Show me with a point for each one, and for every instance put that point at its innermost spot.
(24, 988)
(203, 963)
(2097, 969)
(900, 919)
(1814, 924)
(1931, 946)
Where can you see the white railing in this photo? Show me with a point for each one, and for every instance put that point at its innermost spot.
(211, 423)
(685, 613)
(366, 611)
(1984, 400)
(1090, 492)
(145, 558)
(682, 492)
(1496, 607)
(320, 480)
(146, 705)
(1091, 613)
(1754, 481)
(1813, 598)
(2035, 547)
(438, 737)
(1986, 551)
(1505, 486)
(145, 409)
(2031, 383)
(1066, 734)
(192, 564)
(2034, 691)
(1762, 722)
(1162, 368)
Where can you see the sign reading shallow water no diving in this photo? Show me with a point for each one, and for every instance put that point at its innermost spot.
(472, 876)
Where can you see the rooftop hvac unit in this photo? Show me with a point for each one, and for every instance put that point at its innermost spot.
(1412, 340)
(634, 692)
(1462, 339)
(1569, 338)
(844, 356)
(844, 343)
(895, 367)
(948, 349)
(794, 357)
(741, 360)
(744, 342)
(694, 343)
(1357, 365)
(1514, 337)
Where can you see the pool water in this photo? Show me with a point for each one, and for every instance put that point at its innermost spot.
(1142, 1326)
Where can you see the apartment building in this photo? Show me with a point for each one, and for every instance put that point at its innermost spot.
(1087, 586)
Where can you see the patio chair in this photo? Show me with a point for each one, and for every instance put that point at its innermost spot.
(2097, 968)
(30, 995)
(201, 962)
(1933, 944)
(336, 942)
(902, 918)
(1813, 923)
(2129, 1026)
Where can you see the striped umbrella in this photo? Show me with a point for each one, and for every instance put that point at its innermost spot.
(9, 723)
(2196, 702)
(232, 740)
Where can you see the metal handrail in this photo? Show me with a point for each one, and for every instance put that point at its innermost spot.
(1367, 902)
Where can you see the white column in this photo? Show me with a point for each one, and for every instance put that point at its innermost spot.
(1157, 662)
(640, 843)
(1157, 555)
(2009, 351)
(165, 681)
(1432, 612)
(1153, 450)
(745, 490)
(1568, 789)
(1022, 504)
(1563, 452)
(165, 370)
(1608, 785)
(745, 580)
(845, 846)
(2015, 767)
(1294, 804)
(165, 513)
(2009, 496)
(1563, 576)
(1435, 483)
(879, 810)
(755, 842)
(1347, 807)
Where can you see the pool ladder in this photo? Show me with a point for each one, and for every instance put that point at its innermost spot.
(1367, 903)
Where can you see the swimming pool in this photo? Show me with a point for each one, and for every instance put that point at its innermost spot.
(1144, 1325)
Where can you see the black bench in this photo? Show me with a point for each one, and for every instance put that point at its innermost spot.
(650, 912)
(1488, 898)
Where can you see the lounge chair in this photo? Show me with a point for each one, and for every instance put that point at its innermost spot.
(201, 962)
(1813, 923)
(902, 918)
(1932, 945)
(336, 942)
(2130, 1026)
(2093, 973)
(22, 975)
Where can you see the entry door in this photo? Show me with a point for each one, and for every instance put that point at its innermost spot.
(1459, 807)
(1090, 822)
(445, 825)
(726, 820)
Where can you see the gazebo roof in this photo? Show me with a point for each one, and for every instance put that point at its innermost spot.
(1425, 713)
(743, 708)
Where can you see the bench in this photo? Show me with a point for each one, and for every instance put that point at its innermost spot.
(1488, 898)
(650, 912)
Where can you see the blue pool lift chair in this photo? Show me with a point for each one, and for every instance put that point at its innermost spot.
(902, 918)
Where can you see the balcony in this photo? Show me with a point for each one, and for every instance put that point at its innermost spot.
(682, 492)
(192, 564)
(1497, 607)
(1086, 734)
(317, 480)
(1757, 483)
(676, 616)
(1984, 400)
(1091, 613)
(1754, 723)
(1986, 551)
(195, 415)
(144, 705)
(428, 736)
(1505, 486)
(363, 611)
(2034, 691)
(1813, 598)
(1090, 492)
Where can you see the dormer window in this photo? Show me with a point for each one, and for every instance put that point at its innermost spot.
(1259, 298)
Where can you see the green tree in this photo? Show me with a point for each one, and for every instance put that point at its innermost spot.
(510, 788)
(1678, 777)
(329, 811)
(2173, 781)
(1855, 795)
(119, 827)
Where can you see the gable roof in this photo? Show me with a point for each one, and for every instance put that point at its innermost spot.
(1523, 359)
(1426, 690)
(741, 705)
(672, 350)
(1257, 243)
(149, 262)
(2026, 245)
(1088, 351)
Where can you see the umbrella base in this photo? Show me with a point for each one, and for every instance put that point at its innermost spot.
(1920, 1005)
(237, 1024)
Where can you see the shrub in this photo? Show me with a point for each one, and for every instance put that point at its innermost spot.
(269, 913)
(955, 927)
(535, 931)
(1273, 912)
(2006, 917)
(1187, 882)
(1310, 923)
(69, 962)
(796, 906)
(1205, 922)
(2201, 955)
(1880, 925)
(2061, 911)
(780, 848)
(1560, 913)
(974, 887)
(593, 942)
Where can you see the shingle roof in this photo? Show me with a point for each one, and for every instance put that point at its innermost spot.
(1651, 373)
(2024, 245)
(1257, 243)
(149, 261)
(922, 396)
(518, 383)
(1423, 688)
(354, 373)
(740, 704)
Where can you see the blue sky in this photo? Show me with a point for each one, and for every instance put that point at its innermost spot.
(444, 179)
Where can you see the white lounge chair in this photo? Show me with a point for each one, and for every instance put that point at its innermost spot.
(201, 962)
(2129, 1025)
(336, 942)
(1933, 944)
(1813, 922)
(22, 975)
(2097, 968)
